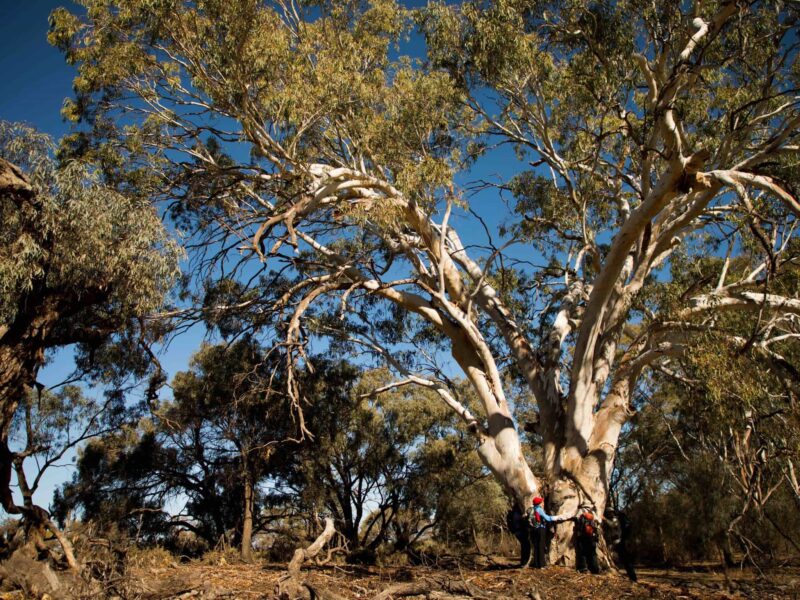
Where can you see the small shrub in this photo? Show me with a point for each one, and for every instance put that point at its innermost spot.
(186, 545)
(150, 558)
(221, 556)
(281, 550)
(362, 556)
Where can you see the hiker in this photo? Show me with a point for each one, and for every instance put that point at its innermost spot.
(623, 550)
(586, 542)
(616, 532)
(538, 520)
(518, 526)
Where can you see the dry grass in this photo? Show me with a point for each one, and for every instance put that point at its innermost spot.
(196, 580)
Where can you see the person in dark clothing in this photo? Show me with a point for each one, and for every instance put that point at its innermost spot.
(518, 526)
(538, 519)
(616, 532)
(623, 550)
(586, 543)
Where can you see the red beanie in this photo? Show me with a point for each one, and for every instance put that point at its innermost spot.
(537, 500)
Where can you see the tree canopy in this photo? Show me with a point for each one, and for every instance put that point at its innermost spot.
(325, 177)
(80, 263)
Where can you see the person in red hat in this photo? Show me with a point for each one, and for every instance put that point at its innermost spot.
(538, 519)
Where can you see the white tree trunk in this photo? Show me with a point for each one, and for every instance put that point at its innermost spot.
(586, 485)
(502, 455)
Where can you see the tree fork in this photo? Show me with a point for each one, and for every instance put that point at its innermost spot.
(34, 517)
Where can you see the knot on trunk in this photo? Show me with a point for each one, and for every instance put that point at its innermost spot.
(692, 179)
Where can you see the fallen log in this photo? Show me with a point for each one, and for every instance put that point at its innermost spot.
(443, 588)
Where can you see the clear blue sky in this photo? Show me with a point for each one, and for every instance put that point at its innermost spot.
(35, 77)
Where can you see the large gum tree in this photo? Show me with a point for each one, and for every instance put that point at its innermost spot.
(322, 176)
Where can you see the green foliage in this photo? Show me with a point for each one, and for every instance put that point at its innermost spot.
(49, 423)
(104, 249)
(725, 414)
(113, 486)
(688, 521)
(389, 468)
(320, 84)
(225, 424)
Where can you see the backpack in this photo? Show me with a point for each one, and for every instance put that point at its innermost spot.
(588, 527)
(534, 518)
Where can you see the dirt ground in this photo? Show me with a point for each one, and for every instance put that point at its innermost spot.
(497, 580)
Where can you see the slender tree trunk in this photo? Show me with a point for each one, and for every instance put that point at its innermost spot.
(247, 521)
(66, 545)
(40, 518)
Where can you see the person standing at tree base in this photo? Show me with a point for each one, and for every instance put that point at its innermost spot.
(538, 519)
(617, 532)
(518, 525)
(623, 548)
(586, 543)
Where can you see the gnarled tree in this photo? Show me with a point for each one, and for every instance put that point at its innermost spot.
(644, 132)
(79, 262)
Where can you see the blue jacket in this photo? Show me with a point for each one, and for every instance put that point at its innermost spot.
(544, 518)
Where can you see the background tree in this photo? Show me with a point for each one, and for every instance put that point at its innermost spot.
(381, 461)
(46, 427)
(718, 413)
(231, 401)
(133, 480)
(78, 263)
(647, 135)
(207, 449)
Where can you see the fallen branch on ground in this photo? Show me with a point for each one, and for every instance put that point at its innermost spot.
(433, 587)
(291, 586)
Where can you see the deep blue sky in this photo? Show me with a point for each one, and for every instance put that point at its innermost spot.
(35, 77)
